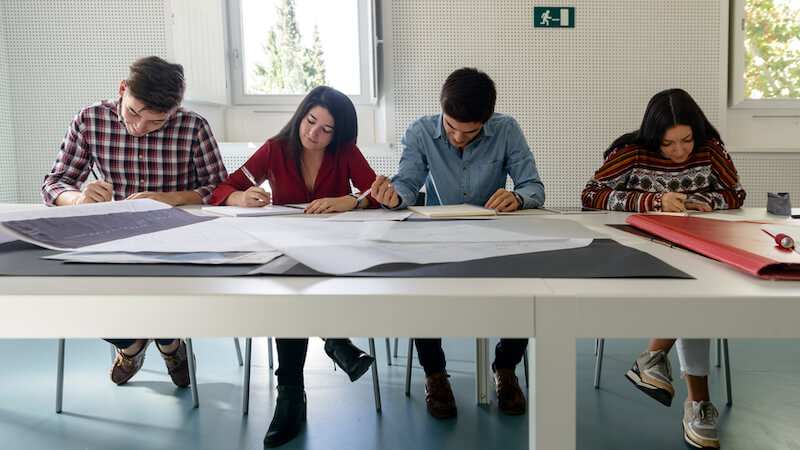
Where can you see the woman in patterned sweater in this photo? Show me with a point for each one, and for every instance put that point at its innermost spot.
(674, 162)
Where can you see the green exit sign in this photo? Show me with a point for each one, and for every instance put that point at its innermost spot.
(553, 17)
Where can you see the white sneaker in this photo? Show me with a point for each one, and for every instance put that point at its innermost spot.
(652, 374)
(699, 426)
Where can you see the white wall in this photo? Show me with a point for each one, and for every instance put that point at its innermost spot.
(8, 160)
(62, 56)
(572, 91)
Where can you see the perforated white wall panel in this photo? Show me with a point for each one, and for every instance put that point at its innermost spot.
(572, 90)
(62, 56)
(8, 164)
(768, 172)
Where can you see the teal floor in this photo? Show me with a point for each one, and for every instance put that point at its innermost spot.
(150, 413)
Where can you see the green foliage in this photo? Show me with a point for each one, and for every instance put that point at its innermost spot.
(772, 50)
(292, 68)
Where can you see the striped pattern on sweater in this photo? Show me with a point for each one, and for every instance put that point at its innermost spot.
(633, 178)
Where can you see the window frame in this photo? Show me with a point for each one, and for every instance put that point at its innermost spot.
(736, 98)
(368, 43)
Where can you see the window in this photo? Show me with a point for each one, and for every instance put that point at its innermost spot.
(765, 56)
(281, 49)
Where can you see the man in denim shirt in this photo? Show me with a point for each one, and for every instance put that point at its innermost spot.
(463, 155)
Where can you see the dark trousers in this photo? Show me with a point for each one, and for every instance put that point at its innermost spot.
(125, 343)
(507, 354)
(291, 359)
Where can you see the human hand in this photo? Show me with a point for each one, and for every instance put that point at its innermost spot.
(163, 197)
(96, 192)
(673, 202)
(331, 205)
(253, 197)
(705, 207)
(384, 193)
(502, 200)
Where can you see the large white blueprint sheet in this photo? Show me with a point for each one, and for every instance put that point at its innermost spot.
(342, 248)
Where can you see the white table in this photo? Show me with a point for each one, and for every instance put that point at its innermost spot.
(554, 311)
(723, 301)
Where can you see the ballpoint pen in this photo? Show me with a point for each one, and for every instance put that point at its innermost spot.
(367, 192)
(251, 178)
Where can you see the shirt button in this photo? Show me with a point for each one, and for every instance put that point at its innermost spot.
(465, 169)
(141, 181)
(465, 193)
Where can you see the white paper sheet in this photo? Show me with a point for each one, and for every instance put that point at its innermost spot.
(218, 235)
(241, 211)
(336, 248)
(168, 258)
(440, 232)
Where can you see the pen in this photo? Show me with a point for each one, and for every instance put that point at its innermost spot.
(250, 177)
(94, 174)
(367, 192)
(363, 195)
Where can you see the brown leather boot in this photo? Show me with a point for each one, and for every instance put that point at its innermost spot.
(510, 398)
(439, 396)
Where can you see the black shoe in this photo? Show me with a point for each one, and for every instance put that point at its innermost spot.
(350, 358)
(290, 412)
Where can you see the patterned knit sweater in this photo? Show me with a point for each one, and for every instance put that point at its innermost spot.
(634, 179)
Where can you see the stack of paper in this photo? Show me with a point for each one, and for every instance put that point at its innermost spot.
(463, 210)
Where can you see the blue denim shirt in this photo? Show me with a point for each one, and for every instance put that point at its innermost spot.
(451, 177)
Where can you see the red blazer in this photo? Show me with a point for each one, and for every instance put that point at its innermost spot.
(274, 163)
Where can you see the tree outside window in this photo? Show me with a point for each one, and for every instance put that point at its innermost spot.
(292, 46)
(772, 49)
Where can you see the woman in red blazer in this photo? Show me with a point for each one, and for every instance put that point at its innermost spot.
(311, 160)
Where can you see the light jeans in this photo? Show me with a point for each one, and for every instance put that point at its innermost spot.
(693, 355)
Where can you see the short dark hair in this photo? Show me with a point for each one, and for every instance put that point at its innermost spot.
(468, 95)
(665, 110)
(156, 83)
(345, 128)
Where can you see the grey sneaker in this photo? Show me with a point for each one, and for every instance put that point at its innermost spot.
(652, 374)
(699, 427)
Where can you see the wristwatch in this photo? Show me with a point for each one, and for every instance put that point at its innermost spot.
(358, 200)
(519, 199)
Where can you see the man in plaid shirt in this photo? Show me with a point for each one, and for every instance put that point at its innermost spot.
(143, 145)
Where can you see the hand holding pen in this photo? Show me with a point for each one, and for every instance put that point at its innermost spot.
(254, 196)
(383, 192)
(95, 192)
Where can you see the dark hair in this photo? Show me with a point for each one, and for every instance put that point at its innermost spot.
(345, 129)
(664, 111)
(468, 95)
(156, 83)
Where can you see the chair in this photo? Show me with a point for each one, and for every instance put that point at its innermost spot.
(411, 357)
(192, 374)
(721, 348)
(248, 346)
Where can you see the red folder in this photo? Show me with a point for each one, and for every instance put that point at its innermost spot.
(741, 244)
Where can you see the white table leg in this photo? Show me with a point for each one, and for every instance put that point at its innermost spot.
(552, 393)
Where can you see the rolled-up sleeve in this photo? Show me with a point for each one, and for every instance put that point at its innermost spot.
(72, 164)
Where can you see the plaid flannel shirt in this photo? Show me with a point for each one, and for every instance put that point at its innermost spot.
(180, 156)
